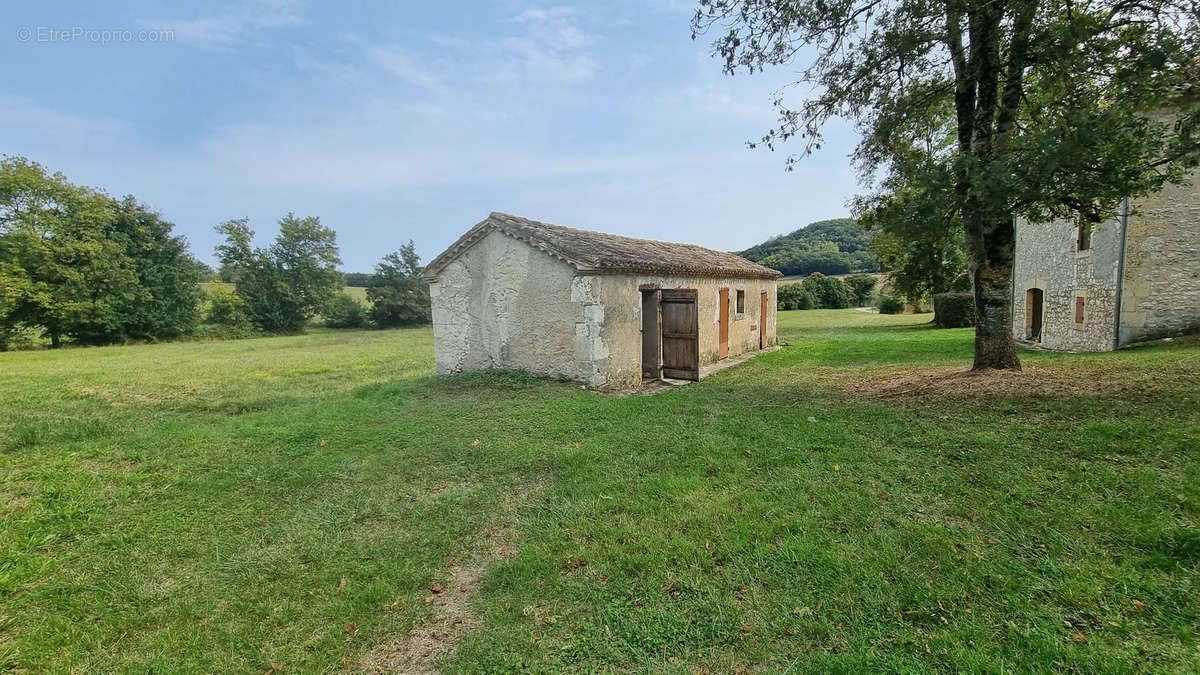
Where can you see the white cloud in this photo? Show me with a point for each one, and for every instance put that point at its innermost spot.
(235, 25)
(554, 27)
(403, 64)
(550, 49)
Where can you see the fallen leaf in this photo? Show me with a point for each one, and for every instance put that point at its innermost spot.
(475, 443)
(351, 629)
(1079, 637)
(884, 495)
(437, 588)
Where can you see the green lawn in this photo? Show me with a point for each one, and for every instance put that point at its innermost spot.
(223, 506)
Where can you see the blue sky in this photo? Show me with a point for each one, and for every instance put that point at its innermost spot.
(399, 120)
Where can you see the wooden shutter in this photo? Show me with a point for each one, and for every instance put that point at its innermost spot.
(680, 335)
(723, 347)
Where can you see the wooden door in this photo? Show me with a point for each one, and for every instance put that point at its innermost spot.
(680, 335)
(723, 349)
(762, 321)
(1033, 314)
(651, 335)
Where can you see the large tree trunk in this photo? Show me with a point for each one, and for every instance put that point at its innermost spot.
(990, 245)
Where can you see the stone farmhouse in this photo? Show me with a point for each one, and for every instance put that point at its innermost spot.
(601, 309)
(1134, 277)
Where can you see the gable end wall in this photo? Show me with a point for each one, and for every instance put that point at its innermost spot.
(504, 304)
(1160, 291)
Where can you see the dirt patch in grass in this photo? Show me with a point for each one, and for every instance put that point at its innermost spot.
(426, 645)
(1033, 380)
(421, 650)
(14, 503)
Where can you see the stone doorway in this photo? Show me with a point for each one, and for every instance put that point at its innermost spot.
(1034, 312)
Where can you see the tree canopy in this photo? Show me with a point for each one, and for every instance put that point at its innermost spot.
(398, 294)
(79, 265)
(287, 283)
(1050, 109)
(920, 232)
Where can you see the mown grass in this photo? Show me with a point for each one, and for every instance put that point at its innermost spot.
(223, 506)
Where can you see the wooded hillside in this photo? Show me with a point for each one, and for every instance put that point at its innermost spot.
(834, 246)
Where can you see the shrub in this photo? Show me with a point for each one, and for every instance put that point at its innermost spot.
(225, 306)
(216, 331)
(954, 310)
(890, 304)
(863, 286)
(345, 312)
(794, 296)
(828, 292)
(17, 337)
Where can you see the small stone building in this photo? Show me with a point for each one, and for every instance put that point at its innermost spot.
(1134, 277)
(601, 309)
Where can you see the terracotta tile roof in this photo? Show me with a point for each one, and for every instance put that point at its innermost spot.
(602, 253)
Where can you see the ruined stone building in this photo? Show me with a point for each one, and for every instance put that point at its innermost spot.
(601, 309)
(1134, 277)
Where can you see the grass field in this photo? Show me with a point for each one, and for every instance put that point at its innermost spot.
(838, 505)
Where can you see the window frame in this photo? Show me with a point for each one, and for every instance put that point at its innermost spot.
(1083, 238)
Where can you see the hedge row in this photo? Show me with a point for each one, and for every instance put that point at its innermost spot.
(954, 310)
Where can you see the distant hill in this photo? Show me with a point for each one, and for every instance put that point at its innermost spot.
(834, 246)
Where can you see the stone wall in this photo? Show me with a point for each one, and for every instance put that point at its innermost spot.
(1047, 257)
(1161, 284)
(504, 304)
(621, 332)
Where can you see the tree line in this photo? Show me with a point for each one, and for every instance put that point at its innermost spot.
(818, 291)
(79, 266)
